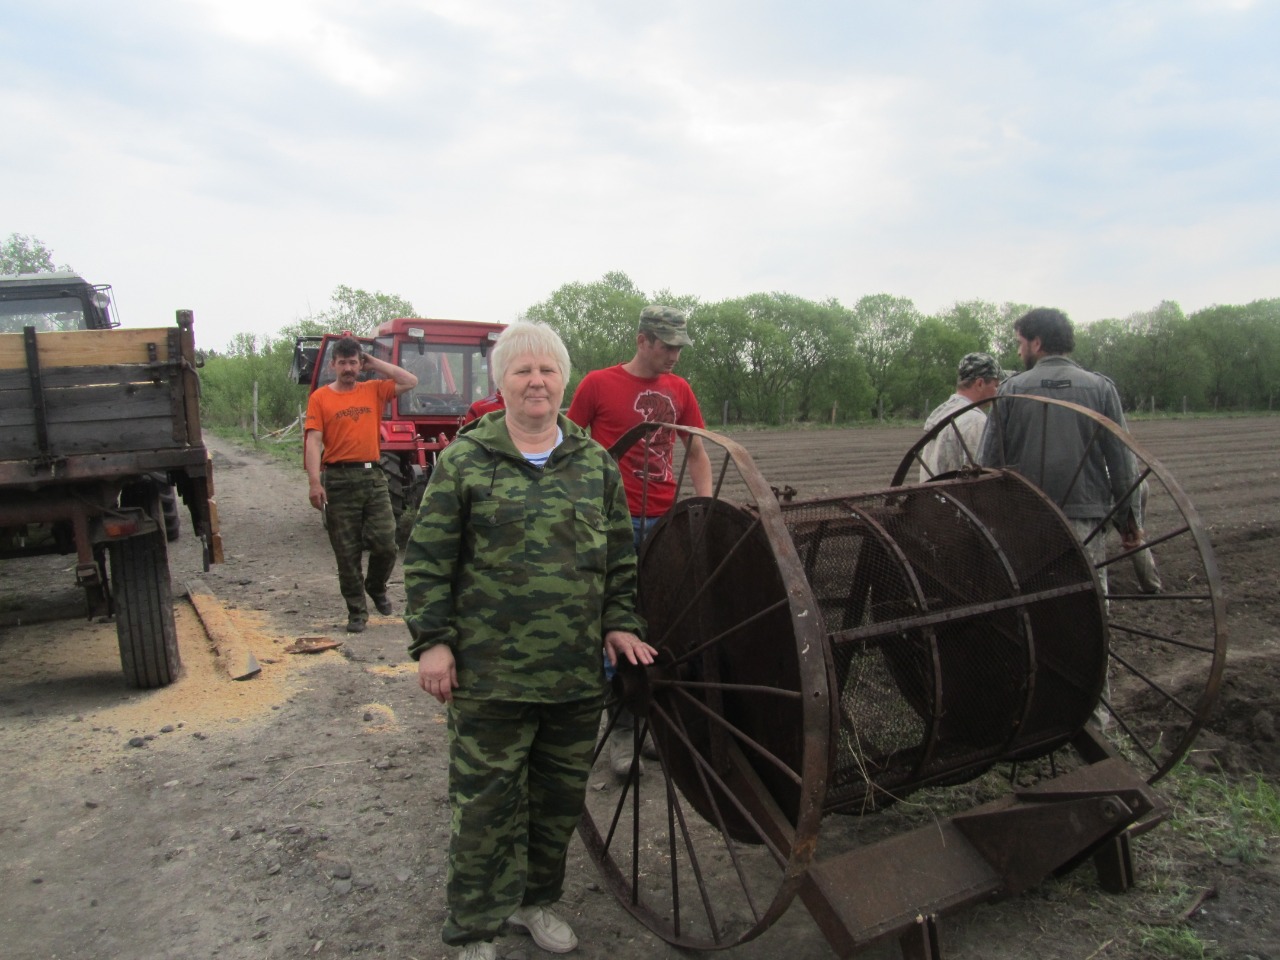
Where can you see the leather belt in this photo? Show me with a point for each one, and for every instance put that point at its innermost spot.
(350, 465)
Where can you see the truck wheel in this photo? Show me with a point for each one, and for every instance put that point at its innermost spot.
(172, 516)
(144, 611)
(397, 489)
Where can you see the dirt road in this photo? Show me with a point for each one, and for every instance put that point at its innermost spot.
(303, 812)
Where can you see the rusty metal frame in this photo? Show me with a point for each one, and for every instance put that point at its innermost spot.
(996, 850)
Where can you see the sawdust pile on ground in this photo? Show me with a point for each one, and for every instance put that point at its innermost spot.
(67, 676)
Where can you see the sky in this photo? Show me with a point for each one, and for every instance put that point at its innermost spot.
(244, 158)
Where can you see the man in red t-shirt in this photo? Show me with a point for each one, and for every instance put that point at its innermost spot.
(610, 402)
(341, 453)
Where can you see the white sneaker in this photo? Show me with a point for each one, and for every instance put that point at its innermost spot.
(622, 753)
(479, 950)
(548, 931)
(649, 749)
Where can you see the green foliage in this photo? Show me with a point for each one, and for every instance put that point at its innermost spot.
(358, 311)
(22, 254)
(884, 327)
(925, 373)
(597, 321)
(771, 357)
(1241, 353)
(227, 383)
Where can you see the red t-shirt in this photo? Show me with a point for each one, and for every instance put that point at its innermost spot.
(348, 422)
(610, 402)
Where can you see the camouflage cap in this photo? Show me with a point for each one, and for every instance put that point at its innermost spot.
(665, 323)
(980, 366)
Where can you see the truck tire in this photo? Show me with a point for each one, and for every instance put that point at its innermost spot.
(143, 601)
(172, 516)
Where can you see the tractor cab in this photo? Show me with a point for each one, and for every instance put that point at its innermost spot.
(54, 301)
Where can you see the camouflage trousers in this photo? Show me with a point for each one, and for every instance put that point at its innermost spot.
(517, 786)
(359, 518)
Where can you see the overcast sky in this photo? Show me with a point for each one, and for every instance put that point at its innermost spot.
(243, 158)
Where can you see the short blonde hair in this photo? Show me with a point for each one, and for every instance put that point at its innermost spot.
(527, 336)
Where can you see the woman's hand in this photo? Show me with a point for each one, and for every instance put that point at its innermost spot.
(619, 643)
(437, 672)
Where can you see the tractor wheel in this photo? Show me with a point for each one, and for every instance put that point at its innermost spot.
(399, 491)
(144, 611)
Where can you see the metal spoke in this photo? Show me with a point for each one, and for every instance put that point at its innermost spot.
(725, 634)
(741, 736)
(1153, 685)
(675, 813)
(725, 837)
(716, 780)
(702, 588)
(1128, 731)
(738, 687)
(1159, 636)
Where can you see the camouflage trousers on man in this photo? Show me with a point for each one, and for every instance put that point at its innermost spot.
(359, 518)
(517, 786)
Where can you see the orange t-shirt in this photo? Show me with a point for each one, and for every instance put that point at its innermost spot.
(348, 422)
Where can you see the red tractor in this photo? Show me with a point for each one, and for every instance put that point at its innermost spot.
(451, 361)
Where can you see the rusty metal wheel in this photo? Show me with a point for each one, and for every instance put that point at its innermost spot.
(1165, 610)
(709, 846)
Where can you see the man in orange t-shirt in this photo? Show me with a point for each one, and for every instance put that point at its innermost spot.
(341, 453)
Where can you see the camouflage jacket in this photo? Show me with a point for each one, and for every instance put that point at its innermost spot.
(522, 570)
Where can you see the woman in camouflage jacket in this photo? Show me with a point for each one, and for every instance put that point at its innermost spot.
(520, 569)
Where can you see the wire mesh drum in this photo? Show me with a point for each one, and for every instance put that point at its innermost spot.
(962, 622)
(964, 627)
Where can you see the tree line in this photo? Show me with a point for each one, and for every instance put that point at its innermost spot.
(775, 357)
(779, 358)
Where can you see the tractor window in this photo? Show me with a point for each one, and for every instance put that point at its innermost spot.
(449, 379)
(47, 314)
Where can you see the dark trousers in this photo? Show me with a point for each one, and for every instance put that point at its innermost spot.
(359, 518)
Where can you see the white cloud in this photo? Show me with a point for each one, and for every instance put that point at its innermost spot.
(318, 33)
(245, 159)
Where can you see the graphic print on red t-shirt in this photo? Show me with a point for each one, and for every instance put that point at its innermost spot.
(655, 462)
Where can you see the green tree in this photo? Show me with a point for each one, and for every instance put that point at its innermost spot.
(927, 366)
(826, 369)
(228, 379)
(1260, 365)
(885, 325)
(745, 345)
(714, 366)
(23, 254)
(229, 376)
(361, 312)
(1099, 344)
(772, 355)
(597, 321)
(1157, 359)
(1224, 334)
